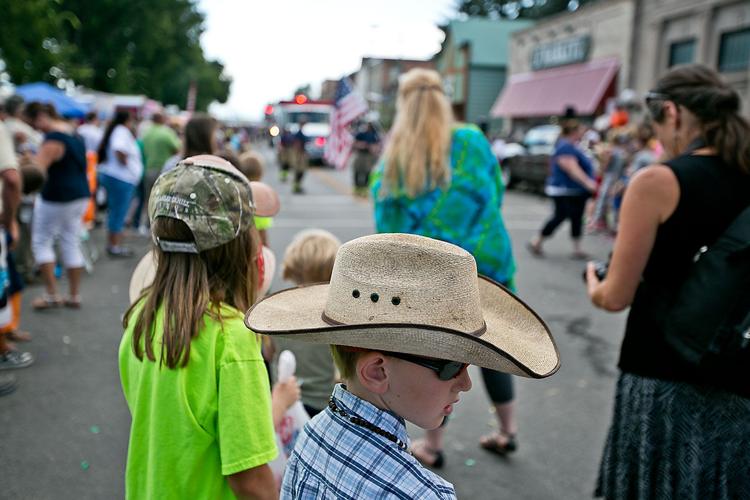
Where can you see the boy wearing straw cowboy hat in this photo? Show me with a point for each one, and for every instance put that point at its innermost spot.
(405, 315)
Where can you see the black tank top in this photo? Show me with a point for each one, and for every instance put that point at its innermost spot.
(711, 196)
(66, 178)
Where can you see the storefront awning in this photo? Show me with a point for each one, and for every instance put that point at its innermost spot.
(549, 92)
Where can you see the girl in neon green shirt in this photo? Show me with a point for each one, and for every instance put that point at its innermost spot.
(192, 374)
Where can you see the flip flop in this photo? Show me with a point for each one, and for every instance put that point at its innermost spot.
(491, 443)
(534, 250)
(46, 302)
(72, 303)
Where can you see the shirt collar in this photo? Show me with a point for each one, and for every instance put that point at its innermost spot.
(386, 420)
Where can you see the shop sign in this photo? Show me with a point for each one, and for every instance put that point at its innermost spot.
(569, 51)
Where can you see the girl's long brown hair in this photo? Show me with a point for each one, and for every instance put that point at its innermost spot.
(188, 286)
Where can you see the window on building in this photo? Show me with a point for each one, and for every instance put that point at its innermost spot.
(734, 50)
(682, 52)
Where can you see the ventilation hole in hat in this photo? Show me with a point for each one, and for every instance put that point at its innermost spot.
(355, 294)
(396, 301)
(227, 181)
(374, 297)
(192, 196)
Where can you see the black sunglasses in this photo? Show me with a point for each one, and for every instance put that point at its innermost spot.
(445, 370)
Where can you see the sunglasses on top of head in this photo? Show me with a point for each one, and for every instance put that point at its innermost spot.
(445, 370)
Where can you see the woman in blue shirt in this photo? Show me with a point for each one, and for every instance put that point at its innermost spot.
(570, 183)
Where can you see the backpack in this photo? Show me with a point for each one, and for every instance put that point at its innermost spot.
(708, 323)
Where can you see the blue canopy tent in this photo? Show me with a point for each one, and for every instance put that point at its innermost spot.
(44, 92)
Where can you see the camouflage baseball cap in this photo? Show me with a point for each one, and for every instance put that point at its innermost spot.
(209, 195)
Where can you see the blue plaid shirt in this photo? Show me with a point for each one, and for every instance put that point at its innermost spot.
(336, 459)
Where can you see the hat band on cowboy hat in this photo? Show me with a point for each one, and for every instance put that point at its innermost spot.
(333, 322)
(411, 294)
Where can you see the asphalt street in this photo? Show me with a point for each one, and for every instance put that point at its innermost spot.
(65, 430)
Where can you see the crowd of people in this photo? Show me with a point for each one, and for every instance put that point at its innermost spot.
(64, 175)
(383, 327)
(589, 176)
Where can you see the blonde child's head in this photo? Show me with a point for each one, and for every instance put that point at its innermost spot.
(309, 257)
(251, 164)
(345, 360)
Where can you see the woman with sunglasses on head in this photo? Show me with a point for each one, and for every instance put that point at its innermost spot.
(675, 432)
(440, 179)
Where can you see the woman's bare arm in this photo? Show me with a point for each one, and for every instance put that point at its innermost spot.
(49, 153)
(122, 158)
(650, 199)
(570, 165)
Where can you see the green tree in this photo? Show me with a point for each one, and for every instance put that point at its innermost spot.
(527, 9)
(149, 47)
(31, 45)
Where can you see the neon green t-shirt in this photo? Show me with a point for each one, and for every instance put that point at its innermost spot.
(262, 223)
(193, 425)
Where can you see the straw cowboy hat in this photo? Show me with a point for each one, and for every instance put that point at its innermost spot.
(145, 271)
(411, 294)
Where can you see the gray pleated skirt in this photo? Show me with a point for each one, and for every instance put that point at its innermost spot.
(674, 440)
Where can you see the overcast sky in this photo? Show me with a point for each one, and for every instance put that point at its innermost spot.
(272, 47)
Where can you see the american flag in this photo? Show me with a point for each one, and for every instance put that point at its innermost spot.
(348, 105)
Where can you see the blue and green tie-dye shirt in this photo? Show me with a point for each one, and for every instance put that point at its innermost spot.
(467, 213)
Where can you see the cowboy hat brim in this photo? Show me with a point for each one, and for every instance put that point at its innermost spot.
(145, 270)
(515, 341)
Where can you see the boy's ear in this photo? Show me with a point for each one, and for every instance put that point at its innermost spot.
(372, 372)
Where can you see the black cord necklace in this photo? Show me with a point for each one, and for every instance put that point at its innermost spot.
(367, 425)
